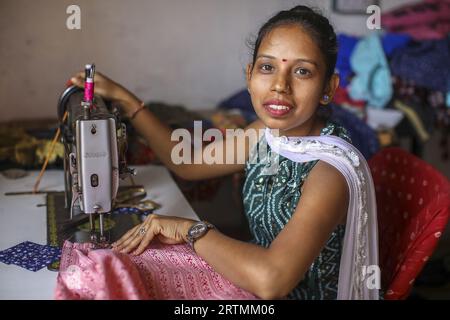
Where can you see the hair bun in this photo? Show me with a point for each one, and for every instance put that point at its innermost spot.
(302, 9)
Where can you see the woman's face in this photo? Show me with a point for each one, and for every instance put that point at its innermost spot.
(287, 81)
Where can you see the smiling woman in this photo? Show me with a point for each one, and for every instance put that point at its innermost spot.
(312, 218)
(293, 71)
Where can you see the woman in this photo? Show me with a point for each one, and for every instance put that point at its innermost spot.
(298, 214)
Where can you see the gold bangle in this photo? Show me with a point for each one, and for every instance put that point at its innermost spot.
(135, 112)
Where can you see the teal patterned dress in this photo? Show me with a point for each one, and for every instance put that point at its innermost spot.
(269, 202)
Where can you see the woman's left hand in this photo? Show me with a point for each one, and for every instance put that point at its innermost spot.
(169, 230)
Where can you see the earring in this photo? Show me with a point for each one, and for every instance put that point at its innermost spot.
(326, 97)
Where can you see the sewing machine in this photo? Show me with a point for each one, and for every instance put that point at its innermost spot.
(95, 142)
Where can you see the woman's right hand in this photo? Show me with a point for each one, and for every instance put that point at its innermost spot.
(105, 87)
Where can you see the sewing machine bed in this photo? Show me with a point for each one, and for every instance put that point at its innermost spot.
(115, 224)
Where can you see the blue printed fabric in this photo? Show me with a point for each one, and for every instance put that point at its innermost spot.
(30, 255)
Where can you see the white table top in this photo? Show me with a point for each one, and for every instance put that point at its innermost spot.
(21, 220)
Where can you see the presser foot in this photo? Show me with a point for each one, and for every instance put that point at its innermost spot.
(99, 240)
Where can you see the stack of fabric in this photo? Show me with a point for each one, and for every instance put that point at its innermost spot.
(404, 67)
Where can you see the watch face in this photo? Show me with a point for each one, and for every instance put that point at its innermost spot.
(197, 230)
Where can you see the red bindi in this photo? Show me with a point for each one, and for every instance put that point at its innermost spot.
(284, 60)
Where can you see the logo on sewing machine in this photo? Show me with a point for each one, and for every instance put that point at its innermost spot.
(95, 154)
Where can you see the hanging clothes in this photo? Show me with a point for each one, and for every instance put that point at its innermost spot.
(372, 80)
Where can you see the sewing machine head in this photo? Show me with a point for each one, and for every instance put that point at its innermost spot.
(95, 152)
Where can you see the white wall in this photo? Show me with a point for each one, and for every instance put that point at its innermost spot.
(189, 52)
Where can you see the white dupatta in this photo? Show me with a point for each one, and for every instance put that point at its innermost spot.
(360, 248)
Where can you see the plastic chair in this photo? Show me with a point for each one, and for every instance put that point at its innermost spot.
(413, 201)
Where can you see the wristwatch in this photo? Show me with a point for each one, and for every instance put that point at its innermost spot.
(197, 230)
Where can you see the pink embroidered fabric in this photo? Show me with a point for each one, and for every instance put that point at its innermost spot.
(160, 272)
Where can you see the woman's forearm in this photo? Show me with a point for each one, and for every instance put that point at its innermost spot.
(158, 136)
(246, 265)
(156, 133)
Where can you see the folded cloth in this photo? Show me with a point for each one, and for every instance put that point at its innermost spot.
(160, 272)
(423, 21)
(425, 63)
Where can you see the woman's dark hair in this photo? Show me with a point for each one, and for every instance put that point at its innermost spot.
(317, 26)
